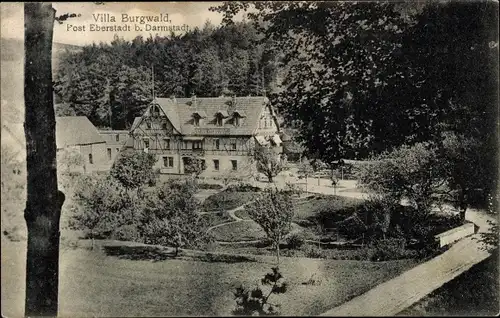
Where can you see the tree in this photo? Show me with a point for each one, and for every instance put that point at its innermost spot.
(462, 160)
(69, 158)
(458, 76)
(339, 74)
(412, 173)
(134, 169)
(172, 217)
(305, 169)
(103, 207)
(318, 166)
(44, 200)
(194, 166)
(273, 211)
(269, 162)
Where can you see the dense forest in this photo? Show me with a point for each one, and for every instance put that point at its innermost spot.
(369, 77)
(112, 83)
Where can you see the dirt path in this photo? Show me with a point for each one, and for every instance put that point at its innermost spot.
(397, 294)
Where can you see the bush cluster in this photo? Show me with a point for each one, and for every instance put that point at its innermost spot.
(242, 187)
(167, 215)
(209, 186)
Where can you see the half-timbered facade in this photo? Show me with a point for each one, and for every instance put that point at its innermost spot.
(223, 131)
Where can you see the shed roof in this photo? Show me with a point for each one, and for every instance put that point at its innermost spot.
(76, 130)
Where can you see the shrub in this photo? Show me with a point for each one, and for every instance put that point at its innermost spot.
(242, 187)
(296, 240)
(292, 189)
(313, 251)
(256, 301)
(127, 232)
(392, 249)
(209, 186)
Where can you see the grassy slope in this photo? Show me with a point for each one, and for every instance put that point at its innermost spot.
(309, 208)
(95, 284)
(227, 200)
(239, 231)
(475, 292)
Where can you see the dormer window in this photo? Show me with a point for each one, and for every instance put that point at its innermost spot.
(237, 117)
(219, 117)
(218, 120)
(197, 117)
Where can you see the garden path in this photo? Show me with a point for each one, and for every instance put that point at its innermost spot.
(397, 294)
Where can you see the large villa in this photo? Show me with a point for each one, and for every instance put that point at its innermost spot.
(222, 131)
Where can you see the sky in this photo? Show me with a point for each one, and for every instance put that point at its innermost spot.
(191, 14)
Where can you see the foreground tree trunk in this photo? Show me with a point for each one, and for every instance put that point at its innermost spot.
(44, 201)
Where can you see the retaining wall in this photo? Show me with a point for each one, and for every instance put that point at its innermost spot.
(455, 234)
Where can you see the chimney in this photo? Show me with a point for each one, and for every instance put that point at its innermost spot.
(233, 100)
(193, 100)
(173, 99)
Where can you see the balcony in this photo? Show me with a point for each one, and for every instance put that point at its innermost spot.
(191, 151)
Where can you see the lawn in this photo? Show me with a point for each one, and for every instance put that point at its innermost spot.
(95, 284)
(310, 207)
(215, 218)
(239, 231)
(475, 292)
(227, 200)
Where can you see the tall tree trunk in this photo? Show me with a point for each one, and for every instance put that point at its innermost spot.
(44, 201)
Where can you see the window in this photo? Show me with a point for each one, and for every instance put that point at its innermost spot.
(218, 120)
(168, 162)
(197, 144)
(217, 144)
(196, 120)
(233, 144)
(167, 143)
(146, 143)
(117, 150)
(155, 111)
(109, 153)
(216, 164)
(91, 160)
(148, 124)
(117, 137)
(234, 163)
(164, 126)
(236, 120)
(186, 144)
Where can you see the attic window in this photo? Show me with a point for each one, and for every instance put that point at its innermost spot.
(219, 117)
(155, 111)
(237, 117)
(197, 116)
(218, 120)
(196, 119)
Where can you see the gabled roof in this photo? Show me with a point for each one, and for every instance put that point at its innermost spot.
(180, 113)
(76, 130)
